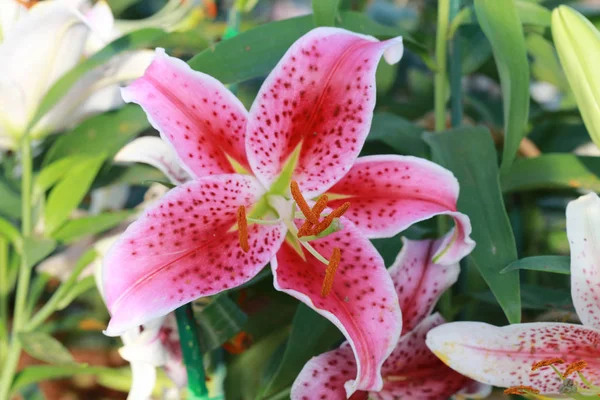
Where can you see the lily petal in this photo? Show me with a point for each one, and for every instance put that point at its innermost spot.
(320, 95)
(583, 220)
(389, 193)
(362, 303)
(503, 356)
(323, 377)
(194, 112)
(419, 281)
(156, 152)
(414, 372)
(184, 247)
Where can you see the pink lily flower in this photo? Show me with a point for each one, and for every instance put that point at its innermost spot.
(304, 132)
(522, 356)
(411, 371)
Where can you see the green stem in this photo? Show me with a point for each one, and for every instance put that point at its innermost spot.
(12, 359)
(192, 356)
(440, 81)
(455, 71)
(4, 317)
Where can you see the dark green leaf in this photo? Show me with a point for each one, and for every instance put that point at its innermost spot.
(103, 133)
(553, 171)
(39, 373)
(44, 347)
(324, 12)
(69, 192)
(76, 228)
(37, 249)
(398, 133)
(469, 153)
(10, 205)
(134, 40)
(557, 264)
(500, 22)
(311, 335)
(536, 298)
(218, 322)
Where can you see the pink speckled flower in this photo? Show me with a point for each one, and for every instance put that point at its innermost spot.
(504, 356)
(308, 124)
(411, 371)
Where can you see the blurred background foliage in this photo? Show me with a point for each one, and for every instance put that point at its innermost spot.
(265, 337)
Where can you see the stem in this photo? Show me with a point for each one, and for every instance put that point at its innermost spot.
(440, 81)
(10, 366)
(192, 356)
(4, 317)
(455, 71)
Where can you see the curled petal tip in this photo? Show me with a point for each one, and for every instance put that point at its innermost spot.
(395, 50)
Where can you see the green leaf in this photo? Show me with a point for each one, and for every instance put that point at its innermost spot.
(400, 134)
(76, 290)
(311, 335)
(545, 65)
(556, 264)
(324, 12)
(37, 249)
(106, 133)
(553, 171)
(254, 53)
(39, 373)
(218, 321)
(69, 192)
(469, 153)
(53, 172)
(533, 14)
(11, 233)
(536, 298)
(44, 347)
(10, 205)
(500, 22)
(76, 228)
(134, 40)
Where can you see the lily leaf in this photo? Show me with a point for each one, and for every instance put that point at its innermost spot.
(557, 264)
(218, 322)
(45, 348)
(324, 12)
(76, 228)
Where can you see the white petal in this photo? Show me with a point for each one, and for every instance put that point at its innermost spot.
(156, 152)
(143, 379)
(10, 12)
(583, 231)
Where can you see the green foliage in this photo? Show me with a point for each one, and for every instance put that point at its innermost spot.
(324, 12)
(556, 264)
(218, 321)
(45, 348)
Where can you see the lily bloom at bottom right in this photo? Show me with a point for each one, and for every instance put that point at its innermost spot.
(539, 358)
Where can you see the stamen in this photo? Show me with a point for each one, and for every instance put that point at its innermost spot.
(317, 210)
(521, 390)
(338, 212)
(302, 205)
(334, 262)
(546, 363)
(242, 223)
(575, 367)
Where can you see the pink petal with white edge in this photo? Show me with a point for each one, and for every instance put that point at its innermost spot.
(203, 120)
(183, 248)
(156, 152)
(503, 356)
(583, 222)
(419, 281)
(390, 193)
(414, 372)
(323, 377)
(362, 303)
(321, 94)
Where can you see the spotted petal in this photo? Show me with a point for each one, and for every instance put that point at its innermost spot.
(183, 248)
(419, 281)
(414, 372)
(390, 193)
(203, 120)
(583, 222)
(503, 356)
(362, 303)
(321, 94)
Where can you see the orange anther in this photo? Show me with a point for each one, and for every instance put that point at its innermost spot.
(546, 363)
(305, 229)
(338, 212)
(28, 4)
(302, 205)
(575, 367)
(238, 344)
(242, 223)
(317, 209)
(334, 262)
(521, 390)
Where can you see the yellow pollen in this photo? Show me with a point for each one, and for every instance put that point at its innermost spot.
(546, 363)
(242, 223)
(27, 4)
(521, 390)
(302, 205)
(334, 262)
(575, 367)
